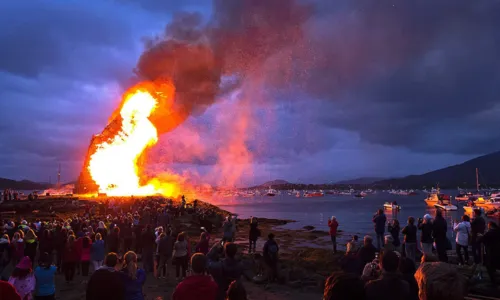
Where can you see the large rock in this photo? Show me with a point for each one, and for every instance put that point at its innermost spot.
(308, 227)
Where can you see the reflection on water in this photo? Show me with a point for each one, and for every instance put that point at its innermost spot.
(354, 214)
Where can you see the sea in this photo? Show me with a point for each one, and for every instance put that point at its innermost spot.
(353, 214)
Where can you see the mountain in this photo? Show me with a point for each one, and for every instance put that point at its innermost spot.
(274, 182)
(462, 175)
(361, 180)
(22, 185)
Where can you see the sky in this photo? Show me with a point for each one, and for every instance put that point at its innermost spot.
(306, 91)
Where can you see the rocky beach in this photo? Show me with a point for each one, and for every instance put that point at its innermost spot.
(306, 258)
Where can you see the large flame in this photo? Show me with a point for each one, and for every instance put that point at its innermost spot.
(114, 165)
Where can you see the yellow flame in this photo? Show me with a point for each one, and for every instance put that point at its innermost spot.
(114, 164)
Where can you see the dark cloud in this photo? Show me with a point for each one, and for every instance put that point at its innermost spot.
(413, 75)
(41, 36)
(315, 76)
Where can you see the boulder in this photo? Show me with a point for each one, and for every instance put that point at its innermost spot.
(309, 227)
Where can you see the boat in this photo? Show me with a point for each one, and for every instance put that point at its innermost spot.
(444, 203)
(391, 206)
(360, 195)
(444, 206)
(469, 209)
(462, 196)
(434, 198)
(486, 203)
(313, 194)
(271, 192)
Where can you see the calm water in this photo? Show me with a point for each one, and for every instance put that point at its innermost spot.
(353, 214)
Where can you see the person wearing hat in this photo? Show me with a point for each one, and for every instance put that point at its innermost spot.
(333, 224)
(23, 280)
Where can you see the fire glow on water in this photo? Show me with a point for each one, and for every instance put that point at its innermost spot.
(114, 165)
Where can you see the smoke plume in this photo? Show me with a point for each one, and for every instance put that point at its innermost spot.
(240, 37)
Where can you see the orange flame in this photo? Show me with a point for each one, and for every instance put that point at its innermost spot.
(114, 165)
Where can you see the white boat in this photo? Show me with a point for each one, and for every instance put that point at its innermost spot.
(447, 207)
(391, 206)
(271, 192)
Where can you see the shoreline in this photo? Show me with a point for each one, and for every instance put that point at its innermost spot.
(306, 256)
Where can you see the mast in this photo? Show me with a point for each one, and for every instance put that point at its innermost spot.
(59, 177)
(477, 179)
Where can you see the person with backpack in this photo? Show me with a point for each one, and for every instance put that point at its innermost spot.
(270, 252)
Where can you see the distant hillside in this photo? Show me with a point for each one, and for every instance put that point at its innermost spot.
(274, 183)
(22, 185)
(462, 175)
(362, 180)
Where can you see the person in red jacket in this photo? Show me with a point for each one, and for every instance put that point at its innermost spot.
(196, 286)
(333, 224)
(8, 291)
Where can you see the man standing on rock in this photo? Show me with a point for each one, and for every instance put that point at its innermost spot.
(333, 224)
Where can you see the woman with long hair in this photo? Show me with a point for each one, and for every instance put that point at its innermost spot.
(23, 280)
(202, 246)
(133, 277)
(70, 258)
(17, 246)
(180, 255)
(45, 275)
(31, 244)
(86, 243)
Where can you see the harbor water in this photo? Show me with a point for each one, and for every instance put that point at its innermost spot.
(353, 214)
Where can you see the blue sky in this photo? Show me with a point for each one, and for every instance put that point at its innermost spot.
(328, 91)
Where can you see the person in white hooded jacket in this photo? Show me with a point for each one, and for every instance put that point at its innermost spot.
(463, 231)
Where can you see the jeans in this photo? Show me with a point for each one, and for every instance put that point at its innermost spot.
(148, 260)
(427, 248)
(459, 253)
(252, 244)
(380, 240)
(441, 249)
(69, 270)
(334, 243)
(476, 252)
(181, 262)
(85, 268)
(162, 265)
(97, 264)
(410, 249)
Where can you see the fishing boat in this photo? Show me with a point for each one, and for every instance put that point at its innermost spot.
(391, 206)
(462, 196)
(469, 209)
(434, 198)
(486, 203)
(445, 205)
(271, 192)
(313, 194)
(360, 195)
